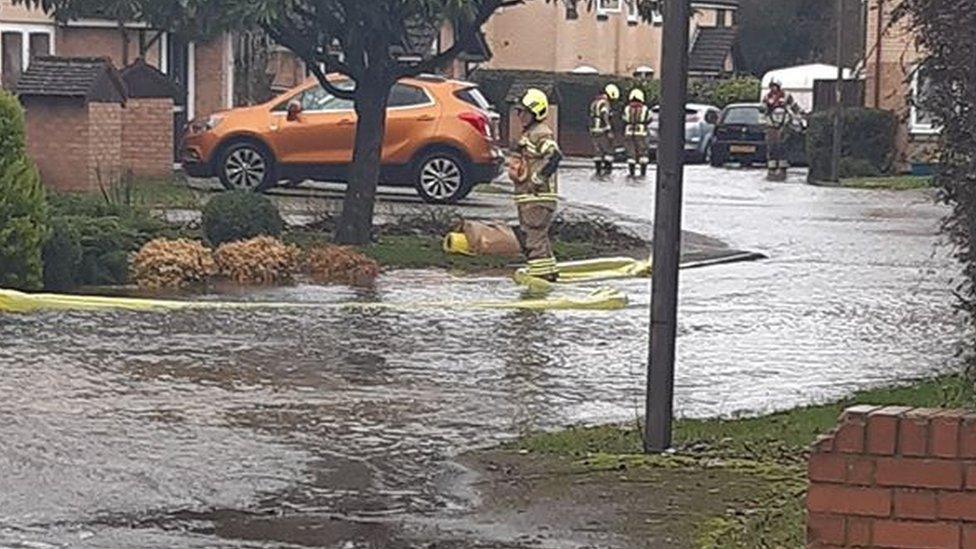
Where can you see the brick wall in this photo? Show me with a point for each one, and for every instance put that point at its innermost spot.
(211, 75)
(147, 137)
(104, 143)
(57, 141)
(894, 477)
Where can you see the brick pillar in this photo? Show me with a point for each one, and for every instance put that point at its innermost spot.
(894, 477)
(147, 137)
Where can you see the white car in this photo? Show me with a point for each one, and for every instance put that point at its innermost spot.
(698, 131)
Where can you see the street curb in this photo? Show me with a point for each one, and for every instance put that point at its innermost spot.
(734, 258)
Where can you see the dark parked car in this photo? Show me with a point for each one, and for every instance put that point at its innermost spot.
(739, 136)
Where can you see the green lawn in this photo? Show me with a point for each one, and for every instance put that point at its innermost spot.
(770, 450)
(892, 183)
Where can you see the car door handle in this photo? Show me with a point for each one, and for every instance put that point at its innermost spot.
(426, 118)
(346, 122)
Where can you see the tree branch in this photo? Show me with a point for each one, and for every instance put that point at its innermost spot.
(304, 49)
(468, 33)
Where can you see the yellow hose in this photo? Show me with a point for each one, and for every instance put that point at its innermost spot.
(18, 302)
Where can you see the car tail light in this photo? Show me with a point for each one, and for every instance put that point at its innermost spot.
(478, 121)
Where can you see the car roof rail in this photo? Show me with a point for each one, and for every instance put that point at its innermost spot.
(429, 77)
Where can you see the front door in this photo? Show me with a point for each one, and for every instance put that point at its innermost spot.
(178, 69)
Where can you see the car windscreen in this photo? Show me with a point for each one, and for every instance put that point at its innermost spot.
(748, 116)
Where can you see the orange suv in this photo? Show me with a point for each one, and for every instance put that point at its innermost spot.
(438, 139)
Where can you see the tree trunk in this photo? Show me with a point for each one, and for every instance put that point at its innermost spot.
(356, 222)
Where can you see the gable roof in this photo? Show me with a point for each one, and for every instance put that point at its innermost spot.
(712, 47)
(91, 78)
(143, 81)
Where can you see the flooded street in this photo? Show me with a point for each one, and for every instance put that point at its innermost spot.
(334, 427)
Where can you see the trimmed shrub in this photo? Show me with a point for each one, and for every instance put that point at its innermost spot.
(170, 264)
(23, 210)
(339, 265)
(240, 215)
(261, 260)
(868, 139)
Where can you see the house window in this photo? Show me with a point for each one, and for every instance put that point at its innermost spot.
(920, 120)
(720, 18)
(604, 7)
(18, 45)
(633, 12)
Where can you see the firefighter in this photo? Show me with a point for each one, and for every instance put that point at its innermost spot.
(601, 128)
(779, 108)
(533, 171)
(637, 117)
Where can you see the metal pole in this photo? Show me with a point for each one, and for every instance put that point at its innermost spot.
(667, 227)
(839, 97)
(877, 55)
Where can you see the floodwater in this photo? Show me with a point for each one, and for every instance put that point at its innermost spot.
(332, 427)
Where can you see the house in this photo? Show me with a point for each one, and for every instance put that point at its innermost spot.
(205, 70)
(612, 40)
(892, 77)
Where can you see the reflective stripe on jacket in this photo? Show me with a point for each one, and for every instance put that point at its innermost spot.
(600, 116)
(537, 146)
(637, 117)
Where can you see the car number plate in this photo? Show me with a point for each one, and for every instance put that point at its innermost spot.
(742, 149)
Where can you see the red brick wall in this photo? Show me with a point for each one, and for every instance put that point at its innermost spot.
(147, 137)
(211, 75)
(103, 42)
(894, 477)
(57, 141)
(104, 144)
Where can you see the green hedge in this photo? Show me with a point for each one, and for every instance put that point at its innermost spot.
(23, 211)
(724, 92)
(867, 147)
(91, 240)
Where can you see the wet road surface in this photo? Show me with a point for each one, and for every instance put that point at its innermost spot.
(334, 428)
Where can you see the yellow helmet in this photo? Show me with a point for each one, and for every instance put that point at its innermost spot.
(613, 92)
(637, 95)
(536, 102)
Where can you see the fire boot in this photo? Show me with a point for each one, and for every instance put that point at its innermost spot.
(632, 168)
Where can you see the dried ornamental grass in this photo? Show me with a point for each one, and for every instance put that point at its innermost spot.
(163, 263)
(338, 265)
(261, 260)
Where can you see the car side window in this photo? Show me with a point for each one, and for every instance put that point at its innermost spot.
(315, 99)
(403, 95)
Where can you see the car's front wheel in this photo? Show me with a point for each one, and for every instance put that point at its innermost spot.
(246, 166)
(441, 178)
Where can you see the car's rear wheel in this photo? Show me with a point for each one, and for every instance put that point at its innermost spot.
(441, 178)
(246, 166)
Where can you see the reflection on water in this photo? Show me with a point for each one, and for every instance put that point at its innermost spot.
(264, 428)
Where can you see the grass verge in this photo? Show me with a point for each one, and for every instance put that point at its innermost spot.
(770, 451)
(891, 183)
(423, 252)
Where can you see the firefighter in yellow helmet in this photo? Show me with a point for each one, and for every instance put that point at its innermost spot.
(601, 128)
(637, 118)
(532, 169)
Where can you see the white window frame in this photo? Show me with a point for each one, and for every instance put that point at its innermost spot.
(602, 9)
(633, 11)
(25, 30)
(914, 126)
